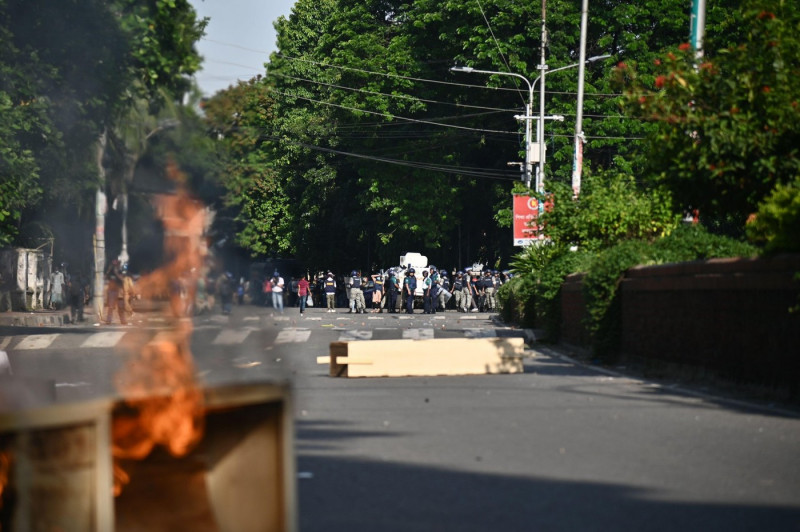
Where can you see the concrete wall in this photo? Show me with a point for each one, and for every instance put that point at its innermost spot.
(729, 315)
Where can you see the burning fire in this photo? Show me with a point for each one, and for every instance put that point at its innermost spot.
(5, 466)
(164, 404)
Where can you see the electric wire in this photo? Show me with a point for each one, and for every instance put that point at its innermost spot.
(469, 171)
(399, 96)
(466, 171)
(499, 50)
(386, 74)
(389, 115)
(235, 46)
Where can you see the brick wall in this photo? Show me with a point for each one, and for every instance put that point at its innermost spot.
(729, 315)
(573, 312)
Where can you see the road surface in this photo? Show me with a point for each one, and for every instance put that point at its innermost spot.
(560, 447)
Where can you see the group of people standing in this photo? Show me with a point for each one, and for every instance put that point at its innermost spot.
(398, 290)
(66, 289)
(275, 288)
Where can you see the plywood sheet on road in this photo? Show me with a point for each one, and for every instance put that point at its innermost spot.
(441, 356)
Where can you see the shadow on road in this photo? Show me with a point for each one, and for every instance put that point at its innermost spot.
(649, 390)
(350, 494)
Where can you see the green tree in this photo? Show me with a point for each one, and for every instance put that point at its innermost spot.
(374, 139)
(612, 207)
(728, 128)
(776, 225)
(254, 197)
(60, 90)
(56, 88)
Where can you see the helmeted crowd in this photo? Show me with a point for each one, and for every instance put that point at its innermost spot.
(396, 290)
(401, 290)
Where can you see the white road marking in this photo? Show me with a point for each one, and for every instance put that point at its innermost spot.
(417, 334)
(289, 336)
(103, 339)
(204, 327)
(37, 341)
(354, 335)
(5, 364)
(231, 336)
(4, 342)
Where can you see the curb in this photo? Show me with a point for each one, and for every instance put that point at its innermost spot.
(55, 319)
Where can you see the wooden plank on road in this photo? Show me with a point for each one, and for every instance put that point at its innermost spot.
(442, 356)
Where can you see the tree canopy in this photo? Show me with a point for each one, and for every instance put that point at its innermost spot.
(70, 71)
(728, 124)
(375, 147)
(359, 143)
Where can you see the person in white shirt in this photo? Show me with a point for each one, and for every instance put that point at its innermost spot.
(57, 289)
(277, 291)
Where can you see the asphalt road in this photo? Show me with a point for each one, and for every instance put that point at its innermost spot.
(560, 447)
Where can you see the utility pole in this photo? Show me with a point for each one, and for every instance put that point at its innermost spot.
(540, 126)
(698, 26)
(577, 158)
(100, 232)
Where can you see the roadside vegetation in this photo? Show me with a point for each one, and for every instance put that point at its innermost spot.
(723, 154)
(358, 143)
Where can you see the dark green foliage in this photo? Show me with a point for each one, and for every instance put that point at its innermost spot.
(601, 291)
(728, 128)
(777, 222)
(606, 269)
(612, 207)
(517, 298)
(349, 94)
(540, 271)
(71, 70)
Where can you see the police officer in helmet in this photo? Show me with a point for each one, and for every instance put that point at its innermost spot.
(357, 302)
(409, 287)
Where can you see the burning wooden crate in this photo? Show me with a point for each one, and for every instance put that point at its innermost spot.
(440, 356)
(56, 469)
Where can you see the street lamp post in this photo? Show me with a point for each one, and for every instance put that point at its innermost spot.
(529, 117)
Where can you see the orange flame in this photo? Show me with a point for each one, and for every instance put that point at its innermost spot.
(5, 467)
(163, 402)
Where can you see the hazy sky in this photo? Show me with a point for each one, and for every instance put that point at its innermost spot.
(239, 38)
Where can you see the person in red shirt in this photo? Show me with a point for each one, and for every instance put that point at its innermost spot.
(302, 293)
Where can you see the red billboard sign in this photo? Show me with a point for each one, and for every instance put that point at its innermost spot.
(526, 214)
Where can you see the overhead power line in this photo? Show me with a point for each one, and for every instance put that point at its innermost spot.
(398, 76)
(447, 169)
(223, 43)
(467, 171)
(399, 96)
(389, 115)
(219, 62)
